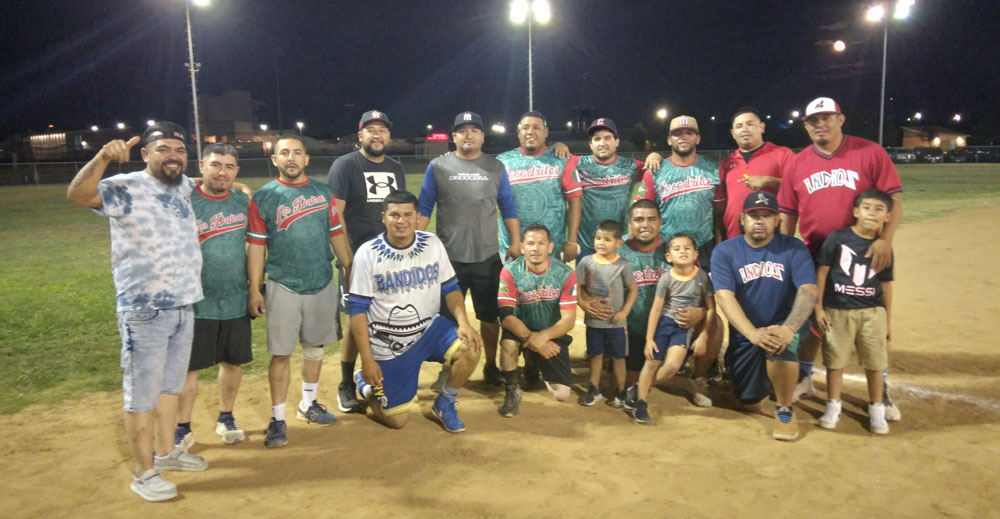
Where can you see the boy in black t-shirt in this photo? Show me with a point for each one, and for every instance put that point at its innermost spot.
(855, 307)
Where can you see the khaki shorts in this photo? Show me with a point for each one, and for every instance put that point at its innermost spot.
(293, 318)
(864, 328)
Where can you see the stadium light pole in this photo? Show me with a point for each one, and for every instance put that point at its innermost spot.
(193, 68)
(520, 12)
(875, 14)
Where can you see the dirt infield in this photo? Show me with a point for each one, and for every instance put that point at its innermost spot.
(564, 460)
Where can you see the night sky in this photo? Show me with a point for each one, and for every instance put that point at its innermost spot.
(98, 62)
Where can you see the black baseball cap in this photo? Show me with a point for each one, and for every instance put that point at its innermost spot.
(760, 200)
(164, 130)
(374, 115)
(467, 118)
(602, 123)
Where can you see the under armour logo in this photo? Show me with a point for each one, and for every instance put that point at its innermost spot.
(466, 116)
(384, 183)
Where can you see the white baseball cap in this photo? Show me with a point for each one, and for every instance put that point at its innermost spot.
(821, 105)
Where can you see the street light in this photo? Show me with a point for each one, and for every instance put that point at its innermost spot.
(150, 122)
(661, 114)
(918, 116)
(569, 125)
(839, 46)
(430, 127)
(263, 127)
(498, 128)
(875, 14)
(957, 118)
(120, 126)
(93, 128)
(795, 113)
(192, 68)
(523, 11)
(301, 125)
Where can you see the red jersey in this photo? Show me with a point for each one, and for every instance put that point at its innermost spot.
(820, 188)
(767, 161)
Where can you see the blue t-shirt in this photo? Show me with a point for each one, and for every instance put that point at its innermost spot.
(764, 279)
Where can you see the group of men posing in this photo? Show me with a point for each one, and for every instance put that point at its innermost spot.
(505, 229)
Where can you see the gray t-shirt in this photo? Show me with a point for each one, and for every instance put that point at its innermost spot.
(679, 292)
(605, 280)
(155, 256)
(467, 194)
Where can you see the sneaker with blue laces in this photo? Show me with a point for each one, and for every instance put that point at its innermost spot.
(183, 438)
(316, 413)
(226, 428)
(275, 434)
(444, 411)
(785, 426)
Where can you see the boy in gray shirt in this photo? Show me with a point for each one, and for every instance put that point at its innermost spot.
(607, 275)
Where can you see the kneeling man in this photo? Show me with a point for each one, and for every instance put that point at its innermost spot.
(396, 287)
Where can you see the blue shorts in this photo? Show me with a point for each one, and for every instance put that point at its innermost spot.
(747, 365)
(584, 252)
(669, 334)
(156, 350)
(606, 340)
(399, 375)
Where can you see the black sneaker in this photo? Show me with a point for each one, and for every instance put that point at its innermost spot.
(347, 402)
(631, 397)
(511, 402)
(492, 375)
(591, 396)
(640, 414)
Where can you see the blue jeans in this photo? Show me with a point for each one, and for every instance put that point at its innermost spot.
(156, 350)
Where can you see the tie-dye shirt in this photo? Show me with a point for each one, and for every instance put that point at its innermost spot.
(155, 257)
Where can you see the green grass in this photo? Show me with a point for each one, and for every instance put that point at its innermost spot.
(58, 336)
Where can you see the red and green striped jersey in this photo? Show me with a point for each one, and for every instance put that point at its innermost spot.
(647, 267)
(222, 231)
(296, 222)
(541, 184)
(537, 297)
(606, 191)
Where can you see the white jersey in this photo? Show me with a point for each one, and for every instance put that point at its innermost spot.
(402, 288)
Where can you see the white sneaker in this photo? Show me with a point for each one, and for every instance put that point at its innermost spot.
(230, 432)
(876, 418)
(804, 389)
(180, 460)
(892, 413)
(699, 392)
(152, 487)
(832, 415)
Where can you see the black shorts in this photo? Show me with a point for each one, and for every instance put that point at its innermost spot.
(220, 341)
(483, 279)
(555, 370)
(705, 255)
(635, 352)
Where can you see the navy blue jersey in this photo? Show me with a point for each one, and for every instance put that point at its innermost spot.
(764, 279)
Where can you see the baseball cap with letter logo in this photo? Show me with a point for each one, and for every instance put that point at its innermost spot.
(373, 116)
(760, 200)
(683, 122)
(467, 118)
(821, 105)
(603, 123)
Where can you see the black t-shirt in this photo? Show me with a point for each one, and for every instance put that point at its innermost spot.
(362, 185)
(851, 282)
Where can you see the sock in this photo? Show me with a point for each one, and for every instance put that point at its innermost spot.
(449, 393)
(347, 372)
(223, 414)
(309, 392)
(278, 412)
(805, 368)
(510, 377)
(365, 389)
(186, 425)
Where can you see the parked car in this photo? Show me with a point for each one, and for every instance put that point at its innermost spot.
(902, 155)
(928, 154)
(959, 155)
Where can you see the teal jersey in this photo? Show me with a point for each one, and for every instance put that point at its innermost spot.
(685, 195)
(541, 184)
(222, 232)
(537, 297)
(606, 192)
(296, 222)
(647, 267)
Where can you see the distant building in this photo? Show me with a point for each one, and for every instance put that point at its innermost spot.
(933, 136)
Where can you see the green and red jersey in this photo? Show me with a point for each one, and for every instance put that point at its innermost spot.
(537, 297)
(606, 191)
(222, 230)
(647, 267)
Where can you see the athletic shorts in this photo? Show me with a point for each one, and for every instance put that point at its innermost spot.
(294, 318)
(861, 328)
(606, 340)
(399, 375)
(635, 352)
(483, 280)
(705, 255)
(555, 370)
(669, 334)
(747, 365)
(156, 349)
(216, 341)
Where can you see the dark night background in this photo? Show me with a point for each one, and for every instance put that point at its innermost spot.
(98, 62)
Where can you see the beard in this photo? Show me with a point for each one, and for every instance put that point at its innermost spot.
(682, 153)
(167, 178)
(371, 151)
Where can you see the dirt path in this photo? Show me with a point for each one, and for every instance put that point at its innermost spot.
(564, 460)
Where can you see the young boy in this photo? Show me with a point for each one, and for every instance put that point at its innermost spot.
(855, 307)
(608, 276)
(685, 285)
